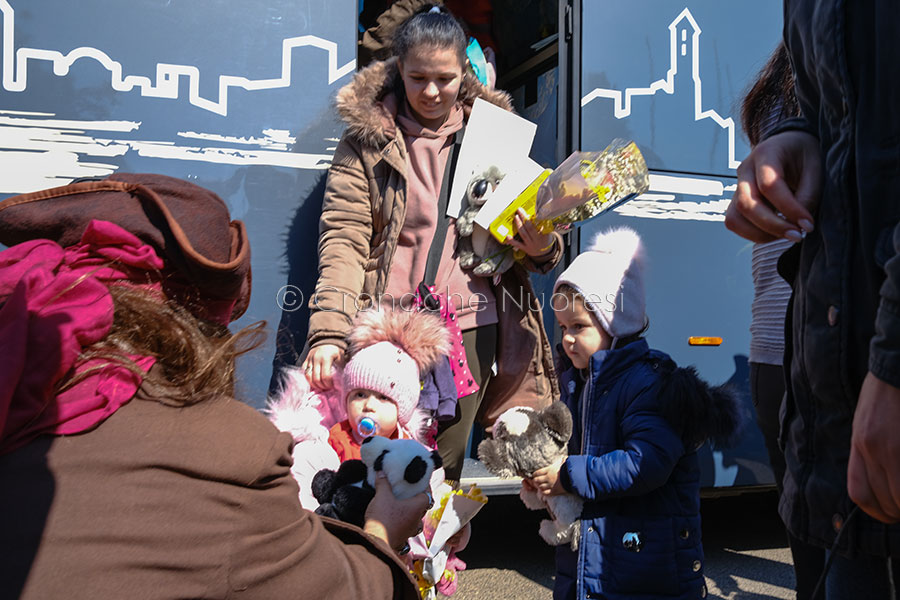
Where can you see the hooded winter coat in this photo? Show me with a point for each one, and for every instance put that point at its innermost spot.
(308, 415)
(162, 501)
(362, 216)
(632, 458)
(845, 315)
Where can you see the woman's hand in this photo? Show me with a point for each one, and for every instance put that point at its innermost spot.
(319, 366)
(778, 189)
(392, 520)
(547, 481)
(534, 243)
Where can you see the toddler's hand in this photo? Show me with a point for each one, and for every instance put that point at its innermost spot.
(526, 483)
(547, 481)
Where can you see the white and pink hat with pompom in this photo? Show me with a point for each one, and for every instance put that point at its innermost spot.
(391, 351)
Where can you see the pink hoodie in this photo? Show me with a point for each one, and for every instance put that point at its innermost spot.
(428, 152)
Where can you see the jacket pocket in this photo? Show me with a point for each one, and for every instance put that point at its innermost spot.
(642, 555)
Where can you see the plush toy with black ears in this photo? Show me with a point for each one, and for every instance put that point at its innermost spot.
(477, 249)
(345, 494)
(525, 440)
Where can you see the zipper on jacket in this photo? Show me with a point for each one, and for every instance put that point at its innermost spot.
(585, 398)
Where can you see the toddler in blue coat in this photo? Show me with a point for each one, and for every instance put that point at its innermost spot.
(638, 422)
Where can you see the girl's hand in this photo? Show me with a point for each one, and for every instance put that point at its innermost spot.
(392, 520)
(319, 366)
(534, 243)
(547, 481)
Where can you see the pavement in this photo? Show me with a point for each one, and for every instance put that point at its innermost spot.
(744, 542)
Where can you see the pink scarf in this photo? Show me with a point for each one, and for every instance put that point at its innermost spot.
(55, 303)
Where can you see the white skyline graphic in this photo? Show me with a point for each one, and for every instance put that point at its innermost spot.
(166, 84)
(39, 150)
(46, 149)
(622, 100)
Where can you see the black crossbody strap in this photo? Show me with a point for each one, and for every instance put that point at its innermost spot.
(443, 221)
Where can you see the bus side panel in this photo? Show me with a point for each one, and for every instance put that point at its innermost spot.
(233, 96)
(671, 78)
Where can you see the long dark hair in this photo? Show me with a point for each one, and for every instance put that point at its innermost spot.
(432, 28)
(771, 98)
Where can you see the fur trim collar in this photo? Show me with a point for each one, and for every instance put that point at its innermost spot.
(368, 120)
(700, 411)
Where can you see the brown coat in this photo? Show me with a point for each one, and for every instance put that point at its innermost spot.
(363, 212)
(165, 502)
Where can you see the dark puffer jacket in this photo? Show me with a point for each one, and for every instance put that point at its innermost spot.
(845, 319)
(633, 459)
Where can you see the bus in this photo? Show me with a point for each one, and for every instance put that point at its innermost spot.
(237, 98)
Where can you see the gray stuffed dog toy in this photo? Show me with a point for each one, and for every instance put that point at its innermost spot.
(477, 249)
(525, 440)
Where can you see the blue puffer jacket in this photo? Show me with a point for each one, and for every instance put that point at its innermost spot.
(633, 459)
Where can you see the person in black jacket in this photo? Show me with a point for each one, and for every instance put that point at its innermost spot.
(828, 180)
(770, 100)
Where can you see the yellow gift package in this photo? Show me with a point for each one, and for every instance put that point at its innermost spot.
(503, 226)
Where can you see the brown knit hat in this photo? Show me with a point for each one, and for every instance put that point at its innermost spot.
(188, 225)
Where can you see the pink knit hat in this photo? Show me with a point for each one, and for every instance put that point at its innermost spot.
(390, 351)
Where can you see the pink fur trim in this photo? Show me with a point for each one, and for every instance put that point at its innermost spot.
(420, 335)
(303, 412)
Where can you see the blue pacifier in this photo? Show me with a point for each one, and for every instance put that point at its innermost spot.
(367, 427)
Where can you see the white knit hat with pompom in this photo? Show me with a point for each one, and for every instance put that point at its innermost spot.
(609, 275)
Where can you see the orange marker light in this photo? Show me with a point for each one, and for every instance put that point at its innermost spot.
(696, 340)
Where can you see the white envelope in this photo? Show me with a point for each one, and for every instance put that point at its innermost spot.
(494, 137)
(513, 184)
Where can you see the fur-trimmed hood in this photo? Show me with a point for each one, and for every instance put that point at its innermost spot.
(360, 102)
(699, 411)
(696, 410)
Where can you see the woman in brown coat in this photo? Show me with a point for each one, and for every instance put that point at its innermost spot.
(127, 469)
(380, 214)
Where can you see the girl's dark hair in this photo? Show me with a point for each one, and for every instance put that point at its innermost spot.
(195, 359)
(438, 29)
(771, 98)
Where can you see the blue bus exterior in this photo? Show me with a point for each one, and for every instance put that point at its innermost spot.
(238, 98)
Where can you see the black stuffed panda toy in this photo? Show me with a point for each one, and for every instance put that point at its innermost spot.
(345, 494)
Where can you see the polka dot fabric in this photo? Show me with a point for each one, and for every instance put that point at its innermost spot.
(462, 376)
